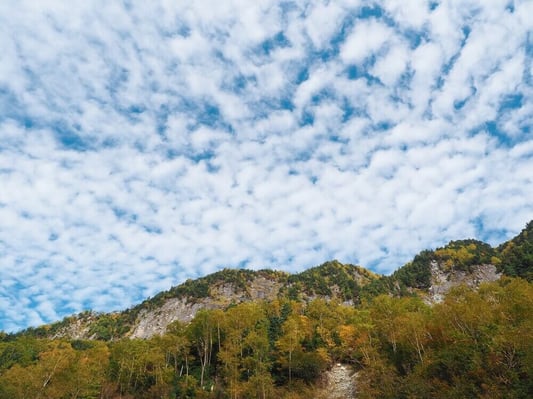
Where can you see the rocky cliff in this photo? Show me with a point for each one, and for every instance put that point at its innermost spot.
(442, 280)
(221, 295)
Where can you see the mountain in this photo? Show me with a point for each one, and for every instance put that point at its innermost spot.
(331, 280)
(454, 322)
(430, 275)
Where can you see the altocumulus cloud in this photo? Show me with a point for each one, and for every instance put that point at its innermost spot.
(142, 143)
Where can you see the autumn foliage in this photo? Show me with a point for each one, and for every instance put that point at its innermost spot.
(476, 343)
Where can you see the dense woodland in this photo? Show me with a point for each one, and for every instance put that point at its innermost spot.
(475, 343)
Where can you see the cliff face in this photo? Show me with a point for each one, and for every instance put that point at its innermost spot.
(443, 280)
(221, 295)
(150, 323)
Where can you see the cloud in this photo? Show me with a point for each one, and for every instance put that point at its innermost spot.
(366, 40)
(143, 144)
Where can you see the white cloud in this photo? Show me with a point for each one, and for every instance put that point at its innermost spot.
(366, 39)
(323, 22)
(409, 13)
(390, 67)
(145, 145)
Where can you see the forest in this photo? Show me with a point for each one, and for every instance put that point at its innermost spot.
(476, 343)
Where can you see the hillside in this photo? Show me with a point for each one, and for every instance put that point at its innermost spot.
(331, 280)
(454, 322)
(430, 275)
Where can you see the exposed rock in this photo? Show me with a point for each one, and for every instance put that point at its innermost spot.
(77, 329)
(443, 280)
(262, 288)
(155, 322)
(340, 383)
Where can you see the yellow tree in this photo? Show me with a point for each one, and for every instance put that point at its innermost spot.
(86, 373)
(325, 318)
(52, 364)
(44, 378)
(19, 382)
(295, 329)
(202, 333)
(176, 345)
(257, 348)
(241, 322)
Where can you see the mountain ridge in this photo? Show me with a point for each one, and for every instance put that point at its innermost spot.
(429, 275)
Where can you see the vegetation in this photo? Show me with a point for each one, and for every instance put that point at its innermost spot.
(473, 344)
(514, 258)
(331, 279)
(464, 254)
(516, 255)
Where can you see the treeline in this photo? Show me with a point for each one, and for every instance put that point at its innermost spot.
(476, 343)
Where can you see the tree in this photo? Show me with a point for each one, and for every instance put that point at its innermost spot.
(295, 329)
(202, 333)
(245, 347)
(139, 366)
(176, 345)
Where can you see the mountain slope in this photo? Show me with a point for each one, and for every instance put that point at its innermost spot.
(516, 255)
(331, 280)
(430, 275)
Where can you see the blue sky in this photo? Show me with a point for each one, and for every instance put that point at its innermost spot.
(143, 143)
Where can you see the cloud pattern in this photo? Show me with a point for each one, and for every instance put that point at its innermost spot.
(143, 143)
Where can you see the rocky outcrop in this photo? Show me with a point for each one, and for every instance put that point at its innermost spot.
(76, 329)
(155, 322)
(443, 279)
(262, 288)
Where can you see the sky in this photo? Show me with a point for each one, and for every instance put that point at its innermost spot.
(144, 143)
